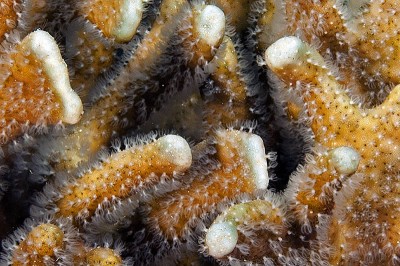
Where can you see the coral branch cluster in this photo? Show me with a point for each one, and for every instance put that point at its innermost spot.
(176, 132)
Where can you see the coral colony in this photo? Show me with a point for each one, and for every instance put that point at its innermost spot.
(178, 132)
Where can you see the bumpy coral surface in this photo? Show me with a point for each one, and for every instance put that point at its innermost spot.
(187, 132)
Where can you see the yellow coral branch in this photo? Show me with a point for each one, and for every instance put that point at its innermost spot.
(124, 171)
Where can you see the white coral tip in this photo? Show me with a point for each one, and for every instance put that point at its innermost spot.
(45, 48)
(176, 150)
(221, 239)
(210, 25)
(283, 52)
(255, 154)
(131, 15)
(345, 160)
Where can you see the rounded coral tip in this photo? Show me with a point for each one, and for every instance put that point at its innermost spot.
(345, 160)
(221, 239)
(45, 239)
(103, 257)
(45, 48)
(210, 24)
(255, 153)
(176, 150)
(284, 51)
(131, 15)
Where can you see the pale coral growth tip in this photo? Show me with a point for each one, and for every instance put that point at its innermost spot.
(46, 49)
(210, 25)
(283, 52)
(221, 239)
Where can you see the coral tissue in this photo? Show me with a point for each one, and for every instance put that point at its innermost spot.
(188, 132)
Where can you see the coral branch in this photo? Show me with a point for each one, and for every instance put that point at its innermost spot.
(372, 30)
(35, 87)
(239, 232)
(42, 243)
(98, 125)
(336, 121)
(116, 19)
(242, 169)
(54, 242)
(228, 103)
(135, 168)
(327, 104)
(237, 10)
(95, 36)
(296, 62)
(205, 32)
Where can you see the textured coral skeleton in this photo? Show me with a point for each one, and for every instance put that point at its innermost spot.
(177, 132)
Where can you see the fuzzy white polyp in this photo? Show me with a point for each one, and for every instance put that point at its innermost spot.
(221, 239)
(255, 155)
(210, 24)
(283, 52)
(345, 160)
(131, 15)
(175, 150)
(44, 48)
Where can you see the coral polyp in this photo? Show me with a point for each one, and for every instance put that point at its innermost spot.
(194, 132)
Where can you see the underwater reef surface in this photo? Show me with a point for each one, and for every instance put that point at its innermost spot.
(177, 132)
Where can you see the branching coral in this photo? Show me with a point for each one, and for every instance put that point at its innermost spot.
(241, 92)
(357, 38)
(336, 200)
(336, 122)
(134, 168)
(241, 169)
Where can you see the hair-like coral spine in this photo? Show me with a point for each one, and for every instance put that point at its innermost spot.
(8, 18)
(89, 55)
(18, 18)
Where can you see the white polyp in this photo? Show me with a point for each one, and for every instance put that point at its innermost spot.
(221, 239)
(131, 15)
(210, 24)
(255, 156)
(175, 150)
(345, 160)
(45, 48)
(283, 52)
